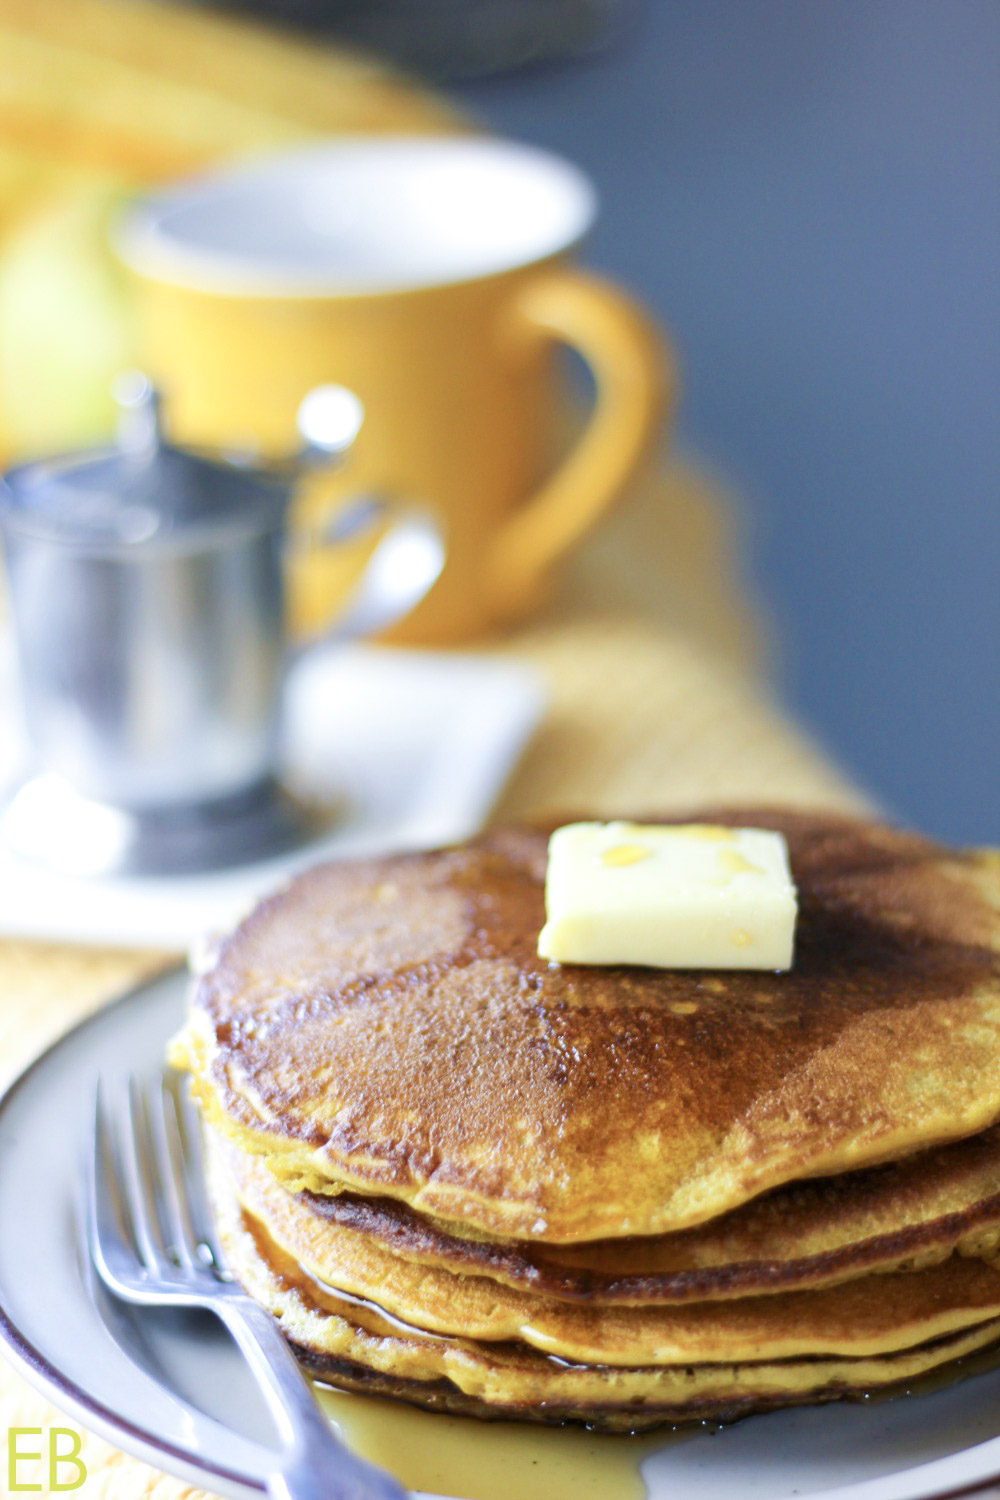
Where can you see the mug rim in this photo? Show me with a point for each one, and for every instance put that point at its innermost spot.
(145, 236)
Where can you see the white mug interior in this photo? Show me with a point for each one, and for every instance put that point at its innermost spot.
(356, 216)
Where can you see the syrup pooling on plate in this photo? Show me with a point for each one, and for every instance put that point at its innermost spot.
(459, 1456)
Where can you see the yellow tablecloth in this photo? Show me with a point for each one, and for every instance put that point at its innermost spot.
(651, 651)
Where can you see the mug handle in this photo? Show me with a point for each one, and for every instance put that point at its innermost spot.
(400, 568)
(636, 381)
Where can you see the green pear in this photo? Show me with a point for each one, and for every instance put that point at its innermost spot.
(65, 324)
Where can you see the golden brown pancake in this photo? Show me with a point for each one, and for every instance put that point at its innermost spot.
(361, 1347)
(386, 1026)
(813, 1233)
(707, 1393)
(907, 1308)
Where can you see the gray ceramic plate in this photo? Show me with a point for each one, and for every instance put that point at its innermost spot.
(174, 1391)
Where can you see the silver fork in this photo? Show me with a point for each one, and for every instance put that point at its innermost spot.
(153, 1242)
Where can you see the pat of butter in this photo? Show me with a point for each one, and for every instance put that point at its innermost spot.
(685, 896)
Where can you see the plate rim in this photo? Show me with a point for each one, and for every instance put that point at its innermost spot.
(151, 1447)
(50, 1381)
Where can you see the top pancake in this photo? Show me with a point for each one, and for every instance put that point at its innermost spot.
(386, 1025)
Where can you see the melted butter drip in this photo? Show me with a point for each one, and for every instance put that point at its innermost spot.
(712, 833)
(732, 862)
(625, 854)
(462, 1456)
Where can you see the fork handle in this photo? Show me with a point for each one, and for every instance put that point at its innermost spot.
(313, 1464)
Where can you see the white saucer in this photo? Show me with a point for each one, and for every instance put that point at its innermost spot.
(409, 749)
(174, 1391)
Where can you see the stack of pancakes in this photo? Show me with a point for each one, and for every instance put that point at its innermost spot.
(464, 1176)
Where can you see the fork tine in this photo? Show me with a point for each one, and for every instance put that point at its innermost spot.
(138, 1179)
(165, 1139)
(194, 1169)
(109, 1237)
(133, 1143)
(103, 1199)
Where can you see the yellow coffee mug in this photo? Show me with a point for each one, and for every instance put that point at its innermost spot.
(429, 275)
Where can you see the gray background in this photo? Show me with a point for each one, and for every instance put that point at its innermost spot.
(806, 192)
